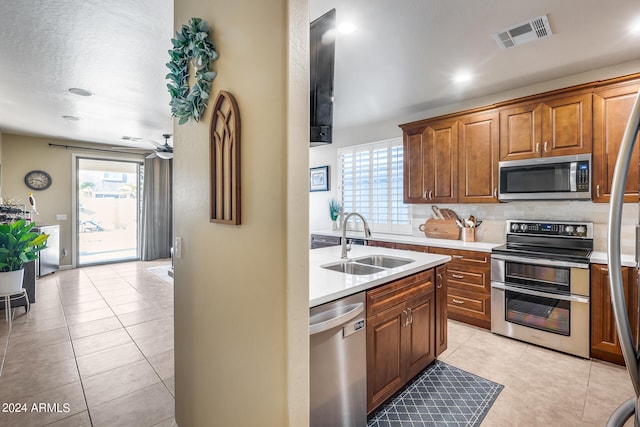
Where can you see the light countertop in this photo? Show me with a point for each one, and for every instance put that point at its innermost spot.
(327, 285)
(602, 258)
(413, 240)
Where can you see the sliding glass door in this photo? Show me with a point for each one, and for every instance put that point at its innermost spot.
(108, 202)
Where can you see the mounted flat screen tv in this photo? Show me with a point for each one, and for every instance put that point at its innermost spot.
(322, 48)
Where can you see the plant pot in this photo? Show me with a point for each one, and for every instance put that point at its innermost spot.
(11, 281)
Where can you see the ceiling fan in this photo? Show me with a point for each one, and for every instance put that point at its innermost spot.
(163, 151)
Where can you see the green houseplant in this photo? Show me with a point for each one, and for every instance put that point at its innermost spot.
(17, 246)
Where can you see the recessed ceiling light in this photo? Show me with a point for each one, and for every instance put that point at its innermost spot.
(80, 92)
(346, 28)
(72, 118)
(634, 28)
(462, 77)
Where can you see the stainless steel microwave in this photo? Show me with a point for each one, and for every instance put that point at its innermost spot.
(545, 178)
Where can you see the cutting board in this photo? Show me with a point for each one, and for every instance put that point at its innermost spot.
(449, 214)
(441, 229)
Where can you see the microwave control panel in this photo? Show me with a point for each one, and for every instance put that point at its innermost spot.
(582, 176)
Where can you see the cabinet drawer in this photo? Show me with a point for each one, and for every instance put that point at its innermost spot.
(464, 258)
(474, 281)
(469, 304)
(397, 292)
(381, 244)
(409, 247)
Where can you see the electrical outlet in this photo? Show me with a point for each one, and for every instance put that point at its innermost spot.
(61, 217)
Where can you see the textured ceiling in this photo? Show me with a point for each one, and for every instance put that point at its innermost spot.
(116, 49)
(399, 61)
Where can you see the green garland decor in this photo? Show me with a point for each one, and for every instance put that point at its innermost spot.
(191, 44)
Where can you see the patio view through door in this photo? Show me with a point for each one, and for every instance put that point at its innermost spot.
(108, 203)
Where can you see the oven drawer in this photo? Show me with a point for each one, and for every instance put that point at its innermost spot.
(464, 258)
(469, 305)
(474, 281)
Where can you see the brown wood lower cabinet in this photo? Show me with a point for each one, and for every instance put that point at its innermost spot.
(604, 337)
(401, 318)
(468, 286)
(441, 309)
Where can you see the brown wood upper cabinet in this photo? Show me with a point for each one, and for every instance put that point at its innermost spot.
(555, 126)
(431, 163)
(478, 157)
(611, 108)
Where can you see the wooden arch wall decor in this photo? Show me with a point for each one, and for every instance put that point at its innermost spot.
(224, 150)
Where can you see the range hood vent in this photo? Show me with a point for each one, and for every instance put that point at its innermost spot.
(533, 29)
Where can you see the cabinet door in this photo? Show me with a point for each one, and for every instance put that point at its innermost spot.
(441, 165)
(604, 337)
(520, 131)
(419, 333)
(611, 109)
(385, 369)
(441, 309)
(478, 148)
(415, 187)
(566, 125)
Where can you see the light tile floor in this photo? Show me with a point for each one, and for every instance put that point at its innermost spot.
(95, 350)
(98, 349)
(541, 387)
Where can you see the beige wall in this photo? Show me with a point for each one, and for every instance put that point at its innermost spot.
(21, 154)
(241, 292)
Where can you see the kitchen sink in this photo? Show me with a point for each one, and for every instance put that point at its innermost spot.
(383, 261)
(367, 265)
(350, 267)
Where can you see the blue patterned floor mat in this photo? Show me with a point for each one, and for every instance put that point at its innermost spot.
(441, 396)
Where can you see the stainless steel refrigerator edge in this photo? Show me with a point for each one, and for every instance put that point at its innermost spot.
(338, 363)
(631, 407)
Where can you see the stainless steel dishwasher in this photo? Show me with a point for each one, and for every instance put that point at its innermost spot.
(338, 363)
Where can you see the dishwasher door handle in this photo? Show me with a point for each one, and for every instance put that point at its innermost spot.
(338, 317)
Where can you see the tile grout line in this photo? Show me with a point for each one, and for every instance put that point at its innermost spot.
(160, 380)
(73, 349)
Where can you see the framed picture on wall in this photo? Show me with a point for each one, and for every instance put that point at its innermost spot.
(319, 179)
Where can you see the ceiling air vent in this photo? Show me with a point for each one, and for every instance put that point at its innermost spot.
(533, 29)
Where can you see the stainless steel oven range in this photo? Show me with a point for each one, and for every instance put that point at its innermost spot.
(540, 284)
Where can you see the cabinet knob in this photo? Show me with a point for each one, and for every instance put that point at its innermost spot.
(457, 301)
(457, 256)
(495, 193)
(440, 280)
(598, 190)
(545, 146)
(537, 147)
(424, 194)
(457, 276)
(430, 194)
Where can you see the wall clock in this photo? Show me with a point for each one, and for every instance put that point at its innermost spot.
(37, 180)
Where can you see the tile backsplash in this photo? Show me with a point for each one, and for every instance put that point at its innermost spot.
(494, 218)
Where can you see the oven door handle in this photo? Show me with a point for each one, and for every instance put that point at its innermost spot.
(571, 298)
(538, 261)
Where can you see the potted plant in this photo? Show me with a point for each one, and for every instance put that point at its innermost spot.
(17, 246)
(334, 212)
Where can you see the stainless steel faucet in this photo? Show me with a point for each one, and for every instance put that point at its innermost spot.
(367, 232)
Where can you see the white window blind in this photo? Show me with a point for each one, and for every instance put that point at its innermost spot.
(371, 184)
